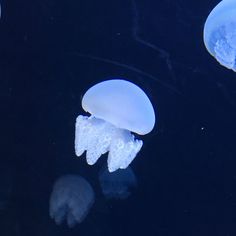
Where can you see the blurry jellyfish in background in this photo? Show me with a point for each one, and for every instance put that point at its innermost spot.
(220, 33)
(71, 199)
(117, 107)
(117, 185)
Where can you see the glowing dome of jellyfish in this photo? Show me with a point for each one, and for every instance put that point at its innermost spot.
(71, 200)
(117, 107)
(220, 33)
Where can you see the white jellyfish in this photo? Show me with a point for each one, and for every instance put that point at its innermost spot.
(220, 33)
(117, 185)
(117, 107)
(71, 199)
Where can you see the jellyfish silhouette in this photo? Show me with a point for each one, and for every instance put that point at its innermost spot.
(117, 107)
(71, 199)
(117, 185)
(220, 33)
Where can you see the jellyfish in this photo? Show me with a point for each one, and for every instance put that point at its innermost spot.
(117, 185)
(71, 199)
(220, 33)
(118, 109)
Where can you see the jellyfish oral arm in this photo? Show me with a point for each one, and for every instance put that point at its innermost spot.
(96, 137)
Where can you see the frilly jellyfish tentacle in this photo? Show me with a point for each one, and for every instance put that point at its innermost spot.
(98, 137)
(123, 150)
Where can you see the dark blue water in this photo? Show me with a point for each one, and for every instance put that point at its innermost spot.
(52, 51)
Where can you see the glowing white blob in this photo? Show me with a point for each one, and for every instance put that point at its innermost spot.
(220, 33)
(116, 107)
(117, 185)
(71, 199)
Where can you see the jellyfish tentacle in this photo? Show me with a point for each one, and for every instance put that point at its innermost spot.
(136, 35)
(130, 68)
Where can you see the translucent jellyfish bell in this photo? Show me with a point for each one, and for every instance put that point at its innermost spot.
(220, 33)
(117, 107)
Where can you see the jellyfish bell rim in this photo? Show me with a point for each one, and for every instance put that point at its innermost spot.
(135, 120)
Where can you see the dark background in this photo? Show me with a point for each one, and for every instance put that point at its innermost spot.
(52, 51)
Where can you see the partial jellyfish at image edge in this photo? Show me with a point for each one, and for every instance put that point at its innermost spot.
(219, 33)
